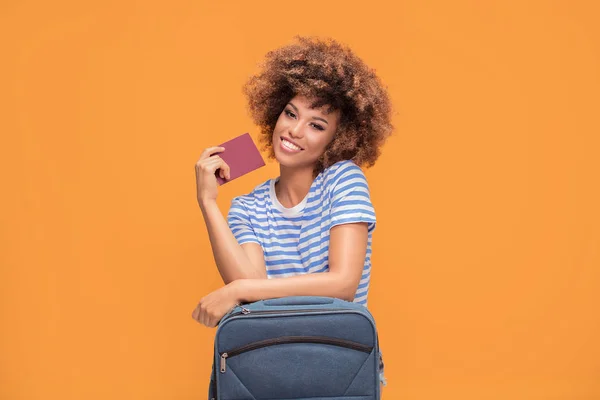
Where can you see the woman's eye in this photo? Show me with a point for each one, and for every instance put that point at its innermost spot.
(291, 114)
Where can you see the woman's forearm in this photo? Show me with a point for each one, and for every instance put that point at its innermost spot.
(328, 284)
(232, 262)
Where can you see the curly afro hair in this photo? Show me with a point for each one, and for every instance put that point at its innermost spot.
(329, 74)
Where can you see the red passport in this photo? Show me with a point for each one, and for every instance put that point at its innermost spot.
(242, 156)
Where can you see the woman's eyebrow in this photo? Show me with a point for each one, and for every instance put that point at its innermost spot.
(319, 118)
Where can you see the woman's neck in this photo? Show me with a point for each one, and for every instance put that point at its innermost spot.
(293, 185)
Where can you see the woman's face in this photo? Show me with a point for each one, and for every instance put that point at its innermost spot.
(302, 134)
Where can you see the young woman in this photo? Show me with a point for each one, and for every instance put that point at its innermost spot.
(323, 113)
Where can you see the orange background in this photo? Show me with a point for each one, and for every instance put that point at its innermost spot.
(486, 279)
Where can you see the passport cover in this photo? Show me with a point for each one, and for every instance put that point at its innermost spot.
(242, 156)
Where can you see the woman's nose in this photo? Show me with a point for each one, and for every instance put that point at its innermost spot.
(295, 130)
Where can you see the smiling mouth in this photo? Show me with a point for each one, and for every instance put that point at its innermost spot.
(289, 145)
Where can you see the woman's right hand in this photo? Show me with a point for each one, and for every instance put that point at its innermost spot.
(206, 181)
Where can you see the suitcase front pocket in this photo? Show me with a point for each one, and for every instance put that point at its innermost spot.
(298, 367)
(292, 339)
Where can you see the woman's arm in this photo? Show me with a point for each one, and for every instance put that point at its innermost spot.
(233, 261)
(347, 251)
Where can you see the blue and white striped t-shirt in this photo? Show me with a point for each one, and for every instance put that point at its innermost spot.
(295, 240)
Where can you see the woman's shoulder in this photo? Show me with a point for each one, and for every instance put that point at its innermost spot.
(341, 171)
(257, 196)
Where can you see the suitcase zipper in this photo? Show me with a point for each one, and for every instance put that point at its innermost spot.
(246, 311)
(293, 339)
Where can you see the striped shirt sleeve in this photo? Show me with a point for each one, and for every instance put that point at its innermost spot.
(240, 224)
(350, 198)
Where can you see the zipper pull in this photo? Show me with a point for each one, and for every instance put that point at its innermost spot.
(223, 362)
(233, 308)
(245, 310)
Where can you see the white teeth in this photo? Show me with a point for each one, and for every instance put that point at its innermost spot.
(290, 145)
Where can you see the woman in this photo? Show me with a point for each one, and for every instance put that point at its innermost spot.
(323, 113)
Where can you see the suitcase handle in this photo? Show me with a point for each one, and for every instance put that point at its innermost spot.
(299, 301)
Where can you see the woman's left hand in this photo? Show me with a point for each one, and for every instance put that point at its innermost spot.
(215, 305)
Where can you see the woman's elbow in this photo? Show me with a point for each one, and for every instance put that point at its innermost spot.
(348, 296)
(347, 290)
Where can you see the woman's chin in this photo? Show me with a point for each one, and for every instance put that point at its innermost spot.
(285, 163)
(291, 165)
(291, 161)
(283, 159)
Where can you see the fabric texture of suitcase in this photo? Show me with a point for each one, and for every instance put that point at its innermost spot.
(296, 348)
